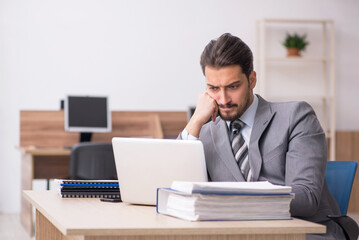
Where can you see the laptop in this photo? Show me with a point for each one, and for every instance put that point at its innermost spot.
(143, 165)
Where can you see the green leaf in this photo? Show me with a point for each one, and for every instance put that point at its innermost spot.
(295, 41)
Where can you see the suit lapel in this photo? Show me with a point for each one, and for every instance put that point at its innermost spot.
(219, 131)
(263, 117)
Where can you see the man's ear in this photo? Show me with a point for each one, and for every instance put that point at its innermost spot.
(252, 79)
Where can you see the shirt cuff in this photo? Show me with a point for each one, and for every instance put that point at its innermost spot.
(186, 136)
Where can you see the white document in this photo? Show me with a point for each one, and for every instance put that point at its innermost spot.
(196, 206)
(264, 187)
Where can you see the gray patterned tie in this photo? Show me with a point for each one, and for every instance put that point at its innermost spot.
(240, 149)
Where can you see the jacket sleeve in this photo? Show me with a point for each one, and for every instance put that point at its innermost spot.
(306, 159)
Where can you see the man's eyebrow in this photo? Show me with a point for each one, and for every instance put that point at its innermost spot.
(210, 85)
(233, 83)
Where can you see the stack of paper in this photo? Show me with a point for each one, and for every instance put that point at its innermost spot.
(225, 201)
(88, 188)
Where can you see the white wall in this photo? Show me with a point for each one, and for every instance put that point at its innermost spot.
(143, 54)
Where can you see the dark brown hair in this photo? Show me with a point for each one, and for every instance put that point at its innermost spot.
(225, 51)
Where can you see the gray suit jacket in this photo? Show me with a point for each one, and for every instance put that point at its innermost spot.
(287, 147)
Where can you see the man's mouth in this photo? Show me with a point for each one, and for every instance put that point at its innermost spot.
(227, 106)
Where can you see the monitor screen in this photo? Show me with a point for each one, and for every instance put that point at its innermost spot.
(87, 114)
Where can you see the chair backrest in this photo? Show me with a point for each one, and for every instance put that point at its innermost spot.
(92, 160)
(339, 176)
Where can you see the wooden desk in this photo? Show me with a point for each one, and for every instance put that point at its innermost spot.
(85, 219)
(40, 163)
(45, 130)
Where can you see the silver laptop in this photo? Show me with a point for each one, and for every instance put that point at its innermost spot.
(143, 165)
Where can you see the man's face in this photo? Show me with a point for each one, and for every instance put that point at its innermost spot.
(231, 89)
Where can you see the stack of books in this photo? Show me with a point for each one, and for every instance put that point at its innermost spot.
(88, 188)
(225, 201)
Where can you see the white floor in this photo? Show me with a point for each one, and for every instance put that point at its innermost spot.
(11, 229)
(10, 226)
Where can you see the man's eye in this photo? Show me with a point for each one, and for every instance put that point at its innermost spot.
(234, 86)
(214, 88)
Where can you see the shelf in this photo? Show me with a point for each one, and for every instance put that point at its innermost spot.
(267, 63)
(296, 59)
(291, 21)
(310, 99)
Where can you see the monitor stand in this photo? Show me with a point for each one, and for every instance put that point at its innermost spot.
(85, 137)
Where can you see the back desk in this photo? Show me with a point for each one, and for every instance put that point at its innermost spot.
(42, 141)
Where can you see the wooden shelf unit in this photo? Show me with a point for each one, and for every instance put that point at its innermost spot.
(326, 59)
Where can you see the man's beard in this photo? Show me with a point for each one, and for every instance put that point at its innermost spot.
(240, 109)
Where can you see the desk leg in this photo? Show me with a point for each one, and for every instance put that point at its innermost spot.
(45, 230)
(27, 175)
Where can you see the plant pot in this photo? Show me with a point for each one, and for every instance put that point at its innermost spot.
(293, 52)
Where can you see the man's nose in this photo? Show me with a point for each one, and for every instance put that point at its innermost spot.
(223, 98)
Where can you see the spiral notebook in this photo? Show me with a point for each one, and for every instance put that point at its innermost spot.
(88, 188)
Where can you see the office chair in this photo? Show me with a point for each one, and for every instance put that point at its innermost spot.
(339, 176)
(92, 160)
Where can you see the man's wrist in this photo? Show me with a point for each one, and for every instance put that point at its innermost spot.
(193, 128)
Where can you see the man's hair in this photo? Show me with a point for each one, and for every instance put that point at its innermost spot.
(225, 51)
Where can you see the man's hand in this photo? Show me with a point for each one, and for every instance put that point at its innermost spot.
(206, 108)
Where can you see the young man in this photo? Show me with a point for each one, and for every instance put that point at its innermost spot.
(256, 140)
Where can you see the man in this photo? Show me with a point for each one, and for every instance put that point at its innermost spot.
(256, 140)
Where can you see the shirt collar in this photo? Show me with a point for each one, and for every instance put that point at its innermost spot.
(249, 115)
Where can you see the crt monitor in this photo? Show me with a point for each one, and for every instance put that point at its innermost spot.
(87, 114)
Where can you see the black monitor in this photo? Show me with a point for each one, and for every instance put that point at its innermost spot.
(87, 114)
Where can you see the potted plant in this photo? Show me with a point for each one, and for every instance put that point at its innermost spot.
(295, 44)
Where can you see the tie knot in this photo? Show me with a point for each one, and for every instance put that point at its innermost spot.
(237, 125)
